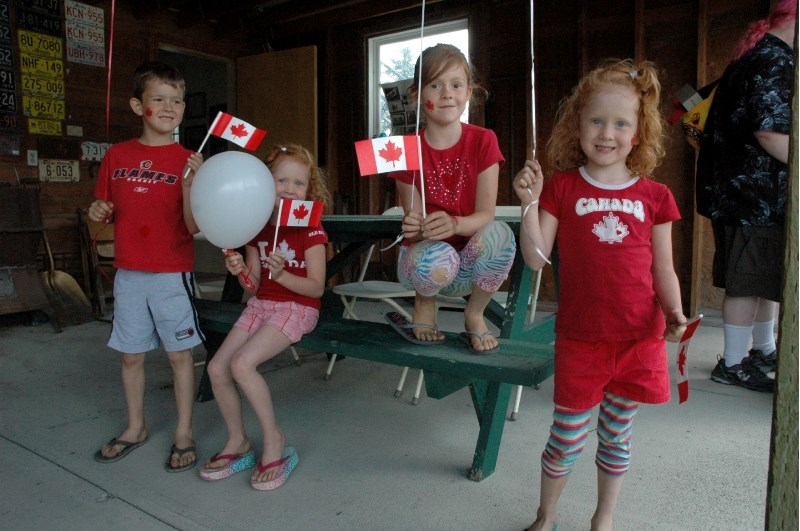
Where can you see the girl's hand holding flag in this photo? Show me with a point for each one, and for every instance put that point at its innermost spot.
(235, 265)
(683, 351)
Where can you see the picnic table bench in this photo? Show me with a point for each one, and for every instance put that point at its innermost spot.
(525, 356)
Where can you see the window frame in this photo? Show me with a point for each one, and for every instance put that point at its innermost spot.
(374, 66)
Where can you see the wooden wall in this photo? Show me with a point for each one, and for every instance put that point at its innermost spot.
(687, 40)
(135, 41)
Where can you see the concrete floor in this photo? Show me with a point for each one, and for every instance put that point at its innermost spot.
(367, 460)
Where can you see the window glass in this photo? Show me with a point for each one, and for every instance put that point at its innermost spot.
(392, 58)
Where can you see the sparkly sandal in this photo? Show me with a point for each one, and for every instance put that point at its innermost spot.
(236, 463)
(286, 464)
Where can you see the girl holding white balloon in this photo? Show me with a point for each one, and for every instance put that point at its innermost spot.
(287, 286)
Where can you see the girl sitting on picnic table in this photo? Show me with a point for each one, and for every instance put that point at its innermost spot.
(613, 226)
(457, 249)
(288, 284)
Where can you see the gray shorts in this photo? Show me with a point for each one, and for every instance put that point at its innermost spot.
(748, 261)
(152, 306)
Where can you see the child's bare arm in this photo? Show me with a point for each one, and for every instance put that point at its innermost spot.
(250, 267)
(665, 282)
(539, 228)
(313, 284)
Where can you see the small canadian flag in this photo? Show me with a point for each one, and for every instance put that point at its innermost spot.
(237, 131)
(387, 153)
(683, 350)
(297, 213)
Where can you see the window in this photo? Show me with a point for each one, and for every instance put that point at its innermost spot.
(392, 58)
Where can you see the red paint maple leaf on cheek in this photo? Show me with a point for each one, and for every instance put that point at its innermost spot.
(300, 212)
(238, 130)
(390, 152)
(429, 105)
(148, 113)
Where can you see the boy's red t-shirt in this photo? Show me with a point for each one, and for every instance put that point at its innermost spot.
(144, 184)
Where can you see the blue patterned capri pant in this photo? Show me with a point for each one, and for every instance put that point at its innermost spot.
(430, 267)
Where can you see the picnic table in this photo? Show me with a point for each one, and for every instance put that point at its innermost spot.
(525, 356)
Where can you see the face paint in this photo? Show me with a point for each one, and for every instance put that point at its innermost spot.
(148, 112)
(429, 105)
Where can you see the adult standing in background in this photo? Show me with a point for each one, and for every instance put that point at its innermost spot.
(742, 186)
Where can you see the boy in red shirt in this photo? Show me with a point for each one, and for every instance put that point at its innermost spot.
(141, 187)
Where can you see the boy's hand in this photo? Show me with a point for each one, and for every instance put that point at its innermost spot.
(528, 182)
(192, 165)
(100, 210)
(676, 326)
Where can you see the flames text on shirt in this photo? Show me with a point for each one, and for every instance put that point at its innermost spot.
(144, 174)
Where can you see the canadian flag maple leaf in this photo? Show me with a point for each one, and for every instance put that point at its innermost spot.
(300, 212)
(390, 152)
(682, 360)
(239, 130)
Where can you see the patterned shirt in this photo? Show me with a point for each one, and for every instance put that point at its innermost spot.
(738, 182)
(451, 175)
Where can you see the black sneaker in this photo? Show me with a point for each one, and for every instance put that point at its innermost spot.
(765, 362)
(744, 375)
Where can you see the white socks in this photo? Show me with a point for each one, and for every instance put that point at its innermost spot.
(737, 339)
(764, 336)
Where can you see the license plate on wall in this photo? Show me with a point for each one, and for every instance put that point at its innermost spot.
(54, 170)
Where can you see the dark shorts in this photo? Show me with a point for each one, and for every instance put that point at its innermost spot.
(748, 261)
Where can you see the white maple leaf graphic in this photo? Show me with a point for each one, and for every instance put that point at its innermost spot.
(283, 248)
(610, 230)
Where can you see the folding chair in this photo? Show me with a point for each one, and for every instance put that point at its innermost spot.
(97, 257)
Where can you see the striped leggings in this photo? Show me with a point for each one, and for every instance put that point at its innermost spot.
(570, 428)
(430, 267)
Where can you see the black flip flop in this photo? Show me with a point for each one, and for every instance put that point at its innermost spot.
(180, 452)
(405, 329)
(127, 447)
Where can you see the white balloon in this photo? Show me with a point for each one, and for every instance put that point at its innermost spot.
(232, 197)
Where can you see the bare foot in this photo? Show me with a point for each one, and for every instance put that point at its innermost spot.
(178, 458)
(542, 525)
(425, 313)
(480, 339)
(132, 436)
(230, 448)
(273, 451)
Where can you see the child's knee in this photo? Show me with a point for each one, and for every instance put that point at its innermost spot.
(441, 275)
(218, 371)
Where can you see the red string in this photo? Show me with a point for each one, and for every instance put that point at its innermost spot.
(108, 84)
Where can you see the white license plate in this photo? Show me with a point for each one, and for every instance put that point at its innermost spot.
(53, 170)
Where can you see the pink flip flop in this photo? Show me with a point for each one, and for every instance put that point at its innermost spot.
(236, 463)
(286, 464)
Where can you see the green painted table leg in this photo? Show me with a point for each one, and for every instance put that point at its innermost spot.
(491, 403)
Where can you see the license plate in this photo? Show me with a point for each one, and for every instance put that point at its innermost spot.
(38, 126)
(54, 170)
